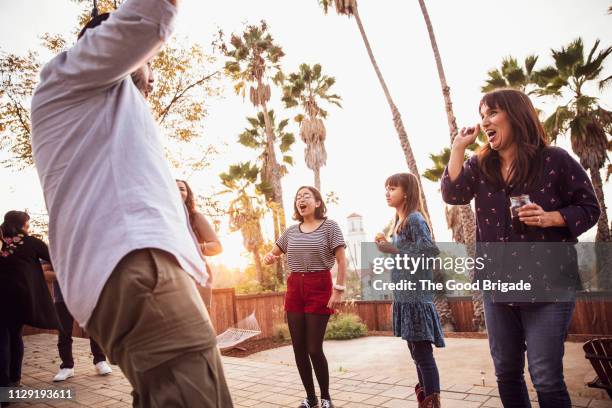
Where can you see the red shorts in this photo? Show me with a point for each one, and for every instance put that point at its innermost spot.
(309, 292)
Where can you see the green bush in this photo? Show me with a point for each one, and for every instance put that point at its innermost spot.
(281, 332)
(249, 287)
(344, 326)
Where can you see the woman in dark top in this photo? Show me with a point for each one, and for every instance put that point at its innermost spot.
(24, 295)
(518, 161)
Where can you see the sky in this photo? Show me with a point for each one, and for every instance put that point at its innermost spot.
(362, 145)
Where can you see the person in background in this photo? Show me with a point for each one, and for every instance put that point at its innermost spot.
(64, 338)
(24, 295)
(205, 234)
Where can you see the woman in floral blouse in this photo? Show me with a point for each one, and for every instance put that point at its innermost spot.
(24, 295)
(516, 161)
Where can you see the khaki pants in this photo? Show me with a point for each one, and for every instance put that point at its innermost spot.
(150, 320)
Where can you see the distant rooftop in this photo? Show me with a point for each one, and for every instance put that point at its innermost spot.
(354, 215)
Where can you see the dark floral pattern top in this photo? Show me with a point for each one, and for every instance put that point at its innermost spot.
(564, 187)
(10, 244)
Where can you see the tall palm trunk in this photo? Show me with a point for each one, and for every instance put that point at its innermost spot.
(274, 171)
(466, 215)
(397, 119)
(258, 265)
(317, 177)
(603, 232)
(602, 239)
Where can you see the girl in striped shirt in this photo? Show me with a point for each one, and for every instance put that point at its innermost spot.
(312, 247)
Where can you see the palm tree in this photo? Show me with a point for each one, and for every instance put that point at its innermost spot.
(308, 88)
(255, 137)
(512, 75)
(349, 8)
(588, 123)
(245, 210)
(456, 218)
(252, 57)
(463, 215)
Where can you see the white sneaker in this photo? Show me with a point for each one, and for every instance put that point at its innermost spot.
(103, 368)
(64, 374)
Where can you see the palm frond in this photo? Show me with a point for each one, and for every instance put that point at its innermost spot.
(604, 83)
(494, 81)
(287, 139)
(530, 62)
(567, 58)
(558, 122)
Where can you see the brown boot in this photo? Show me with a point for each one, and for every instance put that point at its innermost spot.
(431, 401)
(419, 392)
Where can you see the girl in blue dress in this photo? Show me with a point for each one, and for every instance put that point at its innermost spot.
(414, 314)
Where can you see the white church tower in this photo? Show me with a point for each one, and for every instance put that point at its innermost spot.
(355, 236)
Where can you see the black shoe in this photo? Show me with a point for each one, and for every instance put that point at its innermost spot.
(326, 403)
(309, 403)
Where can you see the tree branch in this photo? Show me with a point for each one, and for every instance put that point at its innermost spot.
(178, 96)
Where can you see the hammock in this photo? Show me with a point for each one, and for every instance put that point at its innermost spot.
(244, 330)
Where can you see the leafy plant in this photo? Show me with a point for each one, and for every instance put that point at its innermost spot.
(344, 326)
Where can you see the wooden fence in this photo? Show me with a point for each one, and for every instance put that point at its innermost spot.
(592, 316)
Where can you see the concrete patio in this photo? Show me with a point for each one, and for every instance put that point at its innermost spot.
(253, 382)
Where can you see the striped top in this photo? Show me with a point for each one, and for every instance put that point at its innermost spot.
(311, 251)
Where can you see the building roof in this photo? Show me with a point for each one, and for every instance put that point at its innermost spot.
(354, 215)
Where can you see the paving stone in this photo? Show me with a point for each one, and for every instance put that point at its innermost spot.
(459, 403)
(395, 403)
(252, 384)
(477, 397)
(398, 391)
(493, 402)
(459, 388)
(480, 390)
(453, 395)
(376, 400)
(281, 399)
(580, 402)
(352, 396)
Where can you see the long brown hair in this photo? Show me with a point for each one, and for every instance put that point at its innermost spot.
(14, 222)
(527, 133)
(189, 202)
(410, 185)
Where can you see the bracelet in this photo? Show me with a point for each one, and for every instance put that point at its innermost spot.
(341, 288)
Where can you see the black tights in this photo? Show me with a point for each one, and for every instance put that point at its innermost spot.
(307, 332)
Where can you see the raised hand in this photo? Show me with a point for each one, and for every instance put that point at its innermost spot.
(466, 137)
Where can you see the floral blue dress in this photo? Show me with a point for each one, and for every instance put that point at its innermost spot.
(414, 313)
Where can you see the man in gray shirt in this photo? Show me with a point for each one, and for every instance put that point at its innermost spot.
(119, 240)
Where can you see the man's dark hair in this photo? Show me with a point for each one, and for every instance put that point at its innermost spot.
(94, 22)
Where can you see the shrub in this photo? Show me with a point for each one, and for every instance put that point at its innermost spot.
(249, 287)
(281, 332)
(344, 326)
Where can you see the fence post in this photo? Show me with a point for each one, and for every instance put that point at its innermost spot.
(234, 311)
